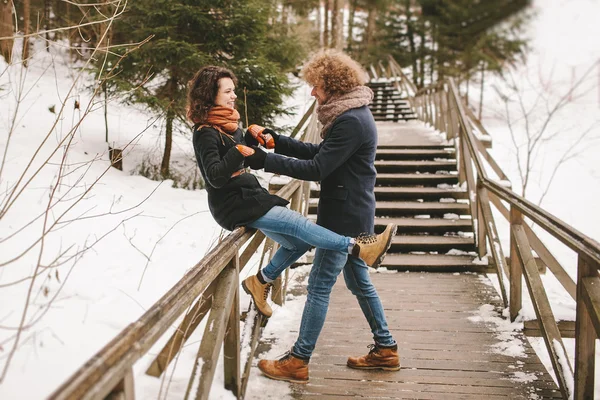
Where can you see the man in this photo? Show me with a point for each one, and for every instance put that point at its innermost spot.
(344, 164)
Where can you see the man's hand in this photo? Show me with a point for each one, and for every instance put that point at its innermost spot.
(257, 134)
(256, 160)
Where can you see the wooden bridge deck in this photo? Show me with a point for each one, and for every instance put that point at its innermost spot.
(453, 342)
(448, 351)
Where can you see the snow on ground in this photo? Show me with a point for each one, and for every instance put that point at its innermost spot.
(563, 48)
(145, 234)
(151, 234)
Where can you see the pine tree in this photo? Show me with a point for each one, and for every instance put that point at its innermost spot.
(186, 35)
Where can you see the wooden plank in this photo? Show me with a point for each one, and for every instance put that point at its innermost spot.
(214, 333)
(106, 369)
(257, 322)
(185, 329)
(572, 238)
(541, 250)
(531, 328)
(125, 390)
(516, 269)
(231, 344)
(494, 241)
(585, 333)
(542, 308)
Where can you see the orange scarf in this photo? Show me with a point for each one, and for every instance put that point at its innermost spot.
(224, 117)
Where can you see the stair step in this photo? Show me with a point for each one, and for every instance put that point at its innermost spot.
(416, 193)
(416, 179)
(395, 119)
(433, 262)
(442, 244)
(414, 154)
(401, 193)
(419, 225)
(398, 208)
(407, 166)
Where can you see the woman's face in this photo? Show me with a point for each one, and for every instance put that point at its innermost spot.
(319, 94)
(226, 94)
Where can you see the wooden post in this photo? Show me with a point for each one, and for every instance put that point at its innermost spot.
(125, 390)
(231, 344)
(214, 332)
(516, 271)
(481, 231)
(585, 335)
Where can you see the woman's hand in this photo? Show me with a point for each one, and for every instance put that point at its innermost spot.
(256, 160)
(245, 150)
(257, 134)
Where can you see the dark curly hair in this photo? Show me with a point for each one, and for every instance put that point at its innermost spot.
(203, 89)
(334, 71)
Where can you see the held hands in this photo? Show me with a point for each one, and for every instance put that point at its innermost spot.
(245, 150)
(257, 134)
(257, 159)
(254, 156)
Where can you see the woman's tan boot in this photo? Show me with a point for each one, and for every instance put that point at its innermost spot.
(259, 293)
(372, 248)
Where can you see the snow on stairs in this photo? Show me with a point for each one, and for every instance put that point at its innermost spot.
(417, 188)
(388, 104)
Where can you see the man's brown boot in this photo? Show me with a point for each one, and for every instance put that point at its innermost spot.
(288, 368)
(372, 248)
(385, 358)
(259, 293)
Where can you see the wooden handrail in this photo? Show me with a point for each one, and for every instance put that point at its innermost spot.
(586, 292)
(577, 241)
(215, 277)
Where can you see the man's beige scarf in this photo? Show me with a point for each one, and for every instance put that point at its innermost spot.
(338, 104)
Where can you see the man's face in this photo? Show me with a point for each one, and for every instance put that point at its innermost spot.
(319, 94)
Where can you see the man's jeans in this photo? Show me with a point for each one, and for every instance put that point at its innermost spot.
(296, 235)
(327, 266)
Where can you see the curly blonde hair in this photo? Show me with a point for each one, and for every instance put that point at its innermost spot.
(334, 71)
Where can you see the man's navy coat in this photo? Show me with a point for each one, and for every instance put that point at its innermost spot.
(344, 164)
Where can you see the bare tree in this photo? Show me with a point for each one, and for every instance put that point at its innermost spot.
(7, 29)
(33, 239)
(532, 107)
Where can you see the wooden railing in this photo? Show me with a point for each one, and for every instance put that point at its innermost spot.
(441, 106)
(210, 288)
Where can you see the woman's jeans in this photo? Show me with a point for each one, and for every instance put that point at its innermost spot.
(323, 275)
(296, 235)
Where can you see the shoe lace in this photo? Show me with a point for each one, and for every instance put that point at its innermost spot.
(373, 349)
(267, 290)
(286, 356)
(366, 238)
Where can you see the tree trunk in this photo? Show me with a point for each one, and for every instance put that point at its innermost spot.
(26, 27)
(371, 21)
(335, 10)
(353, 4)
(422, 52)
(105, 90)
(47, 12)
(481, 93)
(166, 161)
(326, 26)
(320, 25)
(6, 29)
(410, 33)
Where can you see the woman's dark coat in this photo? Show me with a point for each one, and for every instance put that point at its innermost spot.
(344, 164)
(234, 201)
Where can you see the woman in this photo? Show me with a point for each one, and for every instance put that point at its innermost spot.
(236, 198)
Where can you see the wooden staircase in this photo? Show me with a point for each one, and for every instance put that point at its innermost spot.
(389, 104)
(418, 189)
